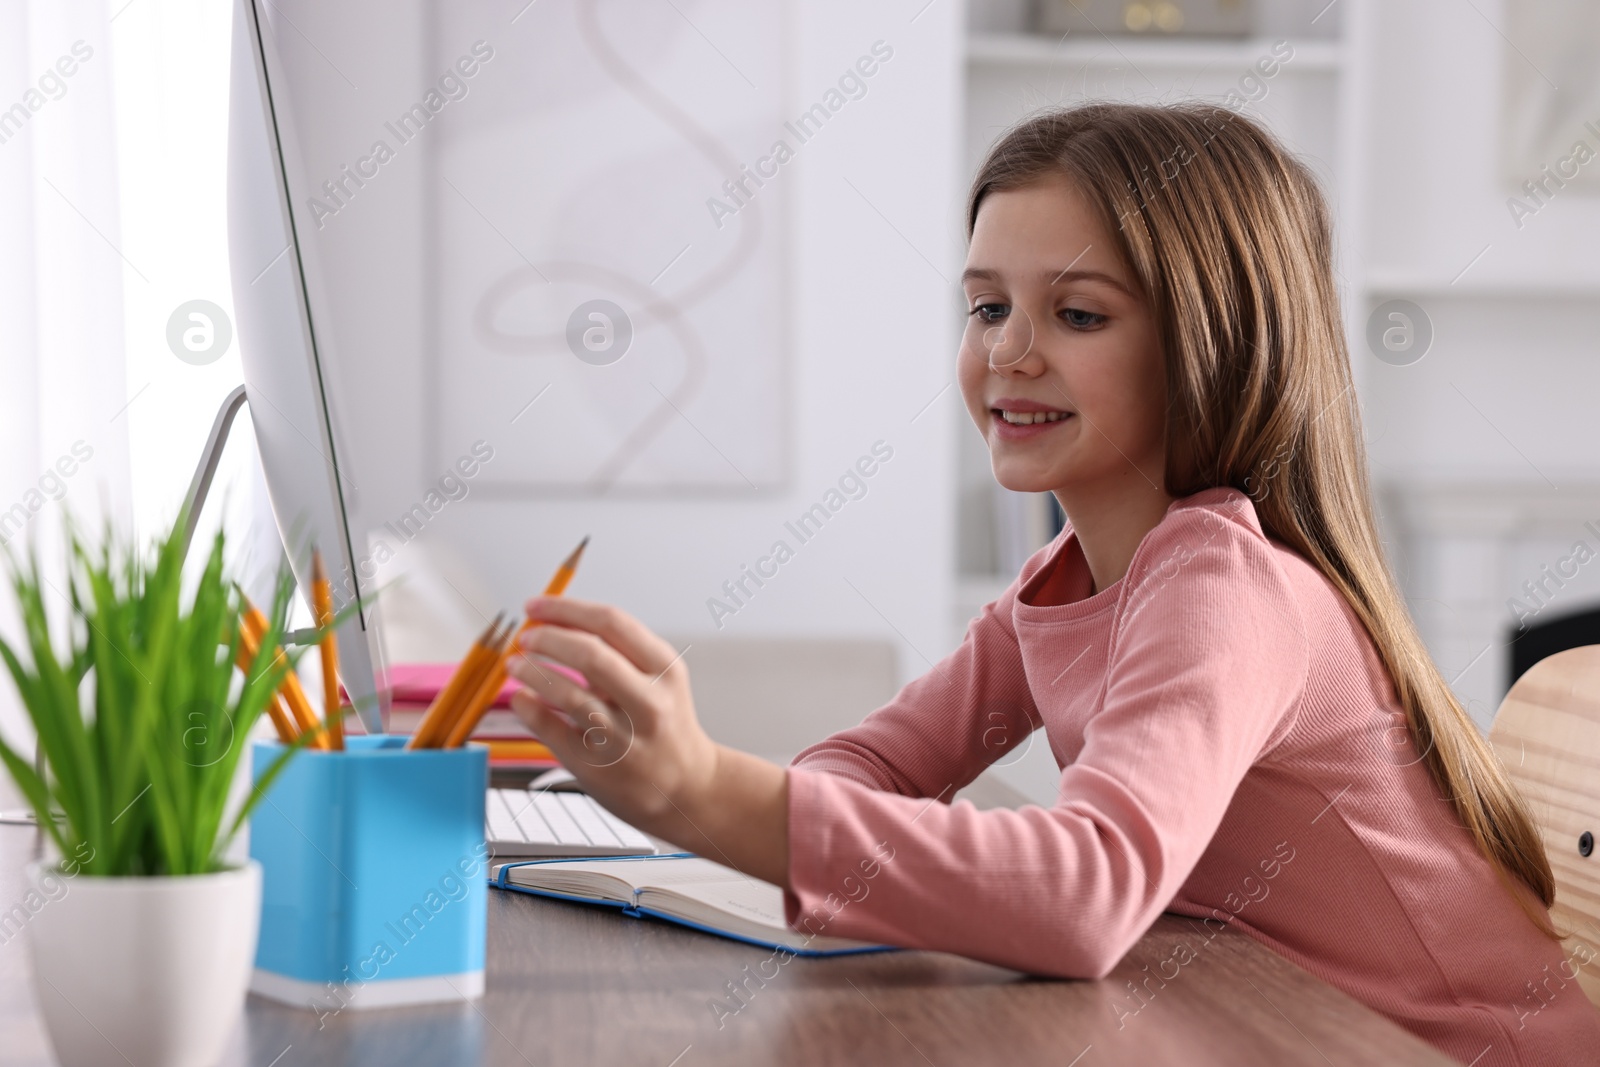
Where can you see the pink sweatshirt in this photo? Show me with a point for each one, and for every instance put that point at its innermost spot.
(1231, 750)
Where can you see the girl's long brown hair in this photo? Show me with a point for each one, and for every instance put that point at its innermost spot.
(1232, 243)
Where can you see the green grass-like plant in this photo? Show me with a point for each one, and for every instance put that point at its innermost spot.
(136, 777)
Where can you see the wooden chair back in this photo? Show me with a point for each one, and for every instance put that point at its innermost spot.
(1547, 735)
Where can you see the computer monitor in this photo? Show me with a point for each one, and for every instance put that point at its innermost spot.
(285, 344)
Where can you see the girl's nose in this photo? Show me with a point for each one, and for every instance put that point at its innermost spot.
(1009, 343)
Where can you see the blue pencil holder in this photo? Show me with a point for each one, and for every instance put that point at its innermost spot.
(373, 868)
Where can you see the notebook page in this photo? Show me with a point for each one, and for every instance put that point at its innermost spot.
(578, 877)
(747, 898)
(739, 904)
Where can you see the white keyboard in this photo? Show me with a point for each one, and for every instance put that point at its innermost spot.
(521, 823)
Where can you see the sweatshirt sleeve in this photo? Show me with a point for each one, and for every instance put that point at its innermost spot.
(942, 729)
(1208, 660)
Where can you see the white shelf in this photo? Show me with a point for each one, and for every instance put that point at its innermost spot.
(1482, 287)
(1192, 54)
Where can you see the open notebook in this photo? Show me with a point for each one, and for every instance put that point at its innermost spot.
(680, 887)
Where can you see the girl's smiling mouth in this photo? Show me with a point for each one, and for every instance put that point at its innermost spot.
(1015, 419)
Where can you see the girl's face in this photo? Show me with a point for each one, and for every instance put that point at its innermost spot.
(1060, 362)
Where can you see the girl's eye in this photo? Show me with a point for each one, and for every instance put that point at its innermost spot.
(989, 312)
(1080, 319)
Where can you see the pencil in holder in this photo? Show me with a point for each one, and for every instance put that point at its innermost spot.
(373, 865)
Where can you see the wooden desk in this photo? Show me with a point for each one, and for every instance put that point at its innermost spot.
(571, 984)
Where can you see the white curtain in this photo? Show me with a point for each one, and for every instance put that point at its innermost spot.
(113, 137)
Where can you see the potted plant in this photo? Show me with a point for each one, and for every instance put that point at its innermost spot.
(144, 938)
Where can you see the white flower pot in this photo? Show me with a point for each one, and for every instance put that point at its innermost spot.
(144, 971)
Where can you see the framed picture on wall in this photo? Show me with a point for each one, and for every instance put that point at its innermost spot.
(609, 251)
(1550, 116)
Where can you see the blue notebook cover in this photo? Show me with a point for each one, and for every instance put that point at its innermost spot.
(499, 882)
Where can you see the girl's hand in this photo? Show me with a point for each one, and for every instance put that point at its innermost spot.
(631, 739)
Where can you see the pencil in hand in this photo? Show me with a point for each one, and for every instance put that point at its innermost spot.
(560, 580)
(483, 698)
(322, 606)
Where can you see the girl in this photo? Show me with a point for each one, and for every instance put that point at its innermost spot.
(1249, 728)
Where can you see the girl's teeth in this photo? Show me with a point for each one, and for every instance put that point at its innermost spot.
(1027, 418)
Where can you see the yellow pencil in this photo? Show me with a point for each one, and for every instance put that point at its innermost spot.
(249, 647)
(475, 709)
(294, 694)
(489, 658)
(466, 679)
(472, 710)
(322, 603)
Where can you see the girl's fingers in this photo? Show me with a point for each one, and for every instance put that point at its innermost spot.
(547, 724)
(605, 667)
(586, 707)
(616, 627)
(552, 687)
(581, 727)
